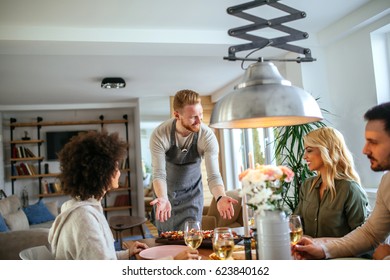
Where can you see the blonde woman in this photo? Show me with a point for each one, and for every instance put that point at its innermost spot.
(332, 203)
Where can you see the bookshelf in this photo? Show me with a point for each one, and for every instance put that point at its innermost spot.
(26, 161)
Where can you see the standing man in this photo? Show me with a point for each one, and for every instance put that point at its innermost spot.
(178, 146)
(377, 227)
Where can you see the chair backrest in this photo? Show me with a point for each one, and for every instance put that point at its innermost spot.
(36, 253)
(236, 221)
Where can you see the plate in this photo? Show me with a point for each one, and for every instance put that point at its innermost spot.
(162, 251)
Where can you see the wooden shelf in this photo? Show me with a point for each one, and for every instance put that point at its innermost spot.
(27, 141)
(27, 159)
(28, 124)
(120, 189)
(50, 194)
(35, 176)
(117, 208)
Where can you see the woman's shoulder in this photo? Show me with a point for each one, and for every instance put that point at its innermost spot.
(311, 179)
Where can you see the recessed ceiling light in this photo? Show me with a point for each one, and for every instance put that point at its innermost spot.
(113, 83)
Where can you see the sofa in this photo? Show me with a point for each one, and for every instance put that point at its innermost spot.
(211, 218)
(22, 228)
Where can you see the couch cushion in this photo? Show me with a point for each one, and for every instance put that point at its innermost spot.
(38, 213)
(52, 207)
(3, 225)
(17, 220)
(12, 242)
(9, 205)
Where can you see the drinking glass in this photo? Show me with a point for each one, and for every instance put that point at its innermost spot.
(223, 242)
(296, 230)
(193, 235)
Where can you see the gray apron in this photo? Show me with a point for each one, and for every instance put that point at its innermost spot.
(184, 183)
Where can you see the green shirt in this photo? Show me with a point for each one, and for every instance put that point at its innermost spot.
(327, 218)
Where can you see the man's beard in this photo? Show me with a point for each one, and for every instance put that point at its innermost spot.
(191, 128)
(379, 167)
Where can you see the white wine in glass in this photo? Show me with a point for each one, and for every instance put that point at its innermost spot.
(296, 230)
(223, 242)
(193, 235)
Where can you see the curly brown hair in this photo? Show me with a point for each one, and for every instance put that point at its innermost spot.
(88, 162)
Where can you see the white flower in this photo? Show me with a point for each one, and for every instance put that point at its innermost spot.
(263, 186)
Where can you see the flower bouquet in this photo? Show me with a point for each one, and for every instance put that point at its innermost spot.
(263, 186)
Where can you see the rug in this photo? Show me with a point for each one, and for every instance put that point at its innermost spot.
(148, 234)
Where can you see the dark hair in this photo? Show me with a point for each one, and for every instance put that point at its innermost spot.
(380, 112)
(88, 162)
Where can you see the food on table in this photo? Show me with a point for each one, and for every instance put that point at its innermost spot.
(179, 235)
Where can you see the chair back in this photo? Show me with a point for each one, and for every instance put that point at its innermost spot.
(36, 253)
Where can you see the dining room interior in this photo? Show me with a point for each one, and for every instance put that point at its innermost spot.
(56, 59)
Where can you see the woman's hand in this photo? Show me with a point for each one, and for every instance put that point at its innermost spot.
(136, 247)
(188, 254)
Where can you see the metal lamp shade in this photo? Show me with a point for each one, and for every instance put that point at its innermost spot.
(264, 99)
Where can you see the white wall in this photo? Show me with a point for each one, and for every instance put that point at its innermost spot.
(343, 78)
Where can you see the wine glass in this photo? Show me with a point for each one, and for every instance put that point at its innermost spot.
(296, 230)
(193, 235)
(223, 242)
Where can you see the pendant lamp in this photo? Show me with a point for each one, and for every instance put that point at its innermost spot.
(264, 98)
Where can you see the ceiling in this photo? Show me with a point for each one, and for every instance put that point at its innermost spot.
(57, 52)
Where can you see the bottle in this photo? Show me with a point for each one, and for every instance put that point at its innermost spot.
(25, 202)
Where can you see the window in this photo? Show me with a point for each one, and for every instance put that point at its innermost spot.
(238, 146)
(380, 43)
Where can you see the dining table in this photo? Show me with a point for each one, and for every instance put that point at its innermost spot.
(205, 250)
(204, 253)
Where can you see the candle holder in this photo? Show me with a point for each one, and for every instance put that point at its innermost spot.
(248, 247)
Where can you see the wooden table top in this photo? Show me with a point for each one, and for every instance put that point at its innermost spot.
(151, 242)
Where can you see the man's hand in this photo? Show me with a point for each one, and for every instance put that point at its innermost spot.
(163, 209)
(225, 207)
(382, 251)
(306, 248)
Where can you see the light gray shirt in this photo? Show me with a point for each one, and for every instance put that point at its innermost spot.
(207, 149)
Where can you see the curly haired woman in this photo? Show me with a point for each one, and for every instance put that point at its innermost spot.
(89, 168)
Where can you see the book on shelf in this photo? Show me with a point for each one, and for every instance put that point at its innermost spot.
(28, 152)
(122, 200)
(52, 187)
(123, 164)
(22, 152)
(24, 169)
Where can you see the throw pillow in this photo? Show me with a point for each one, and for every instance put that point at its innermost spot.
(3, 225)
(38, 213)
(17, 221)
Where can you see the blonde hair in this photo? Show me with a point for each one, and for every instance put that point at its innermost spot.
(335, 154)
(185, 97)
